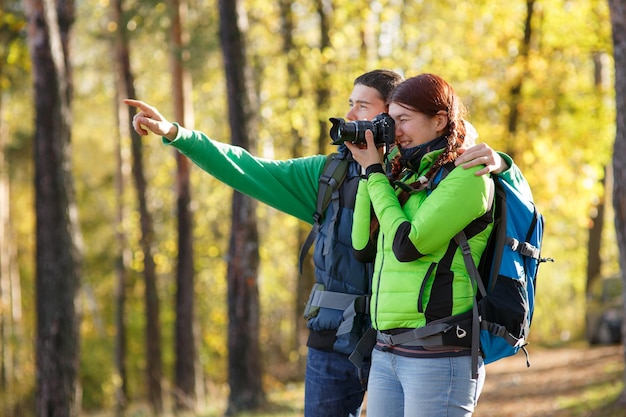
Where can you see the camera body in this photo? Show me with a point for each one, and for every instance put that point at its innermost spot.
(382, 126)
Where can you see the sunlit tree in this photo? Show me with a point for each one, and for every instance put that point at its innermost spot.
(618, 21)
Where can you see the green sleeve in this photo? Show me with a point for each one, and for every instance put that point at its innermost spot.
(362, 213)
(514, 177)
(287, 185)
(460, 198)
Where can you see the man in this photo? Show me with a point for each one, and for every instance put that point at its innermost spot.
(333, 387)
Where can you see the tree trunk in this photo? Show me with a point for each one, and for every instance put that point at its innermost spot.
(58, 257)
(325, 11)
(11, 332)
(121, 268)
(185, 345)
(154, 370)
(293, 92)
(618, 22)
(594, 245)
(516, 88)
(5, 266)
(123, 257)
(244, 359)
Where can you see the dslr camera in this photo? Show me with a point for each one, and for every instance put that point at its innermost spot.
(382, 126)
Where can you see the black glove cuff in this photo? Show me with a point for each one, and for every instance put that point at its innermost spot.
(373, 169)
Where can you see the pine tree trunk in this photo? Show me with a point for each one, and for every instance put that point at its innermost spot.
(123, 257)
(121, 273)
(597, 218)
(5, 265)
(154, 371)
(58, 258)
(244, 359)
(11, 331)
(325, 12)
(293, 92)
(618, 22)
(516, 88)
(594, 245)
(185, 345)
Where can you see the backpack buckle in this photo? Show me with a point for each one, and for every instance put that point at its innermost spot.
(460, 332)
(311, 310)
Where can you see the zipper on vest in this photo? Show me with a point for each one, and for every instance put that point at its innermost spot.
(379, 272)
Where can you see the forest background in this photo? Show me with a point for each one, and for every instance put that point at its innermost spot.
(537, 77)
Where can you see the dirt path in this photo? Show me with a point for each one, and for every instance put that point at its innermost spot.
(556, 380)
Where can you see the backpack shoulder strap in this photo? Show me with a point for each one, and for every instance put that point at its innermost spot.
(335, 170)
(439, 176)
(475, 278)
(333, 174)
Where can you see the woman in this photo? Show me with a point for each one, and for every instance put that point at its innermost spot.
(419, 273)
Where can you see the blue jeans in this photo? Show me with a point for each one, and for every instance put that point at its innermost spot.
(422, 387)
(332, 387)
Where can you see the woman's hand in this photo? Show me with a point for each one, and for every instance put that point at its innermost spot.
(368, 155)
(481, 154)
(148, 119)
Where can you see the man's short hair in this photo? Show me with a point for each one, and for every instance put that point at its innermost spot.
(384, 81)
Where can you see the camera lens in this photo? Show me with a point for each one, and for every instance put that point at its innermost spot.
(338, 131)
(354, 132)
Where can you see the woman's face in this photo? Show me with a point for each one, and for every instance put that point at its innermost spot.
(414, 128)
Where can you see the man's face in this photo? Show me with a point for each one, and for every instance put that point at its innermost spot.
(365, 103)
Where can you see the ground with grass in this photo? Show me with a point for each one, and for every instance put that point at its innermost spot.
(561, 382)
(564, 382)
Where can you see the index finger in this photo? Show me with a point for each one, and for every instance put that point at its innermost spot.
(137, 103)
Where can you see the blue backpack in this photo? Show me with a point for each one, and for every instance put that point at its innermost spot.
(506, 276)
